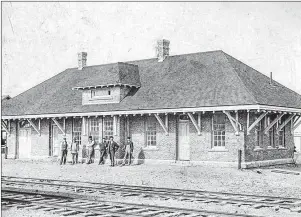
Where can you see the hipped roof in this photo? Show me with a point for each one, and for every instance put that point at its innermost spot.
(183, 81)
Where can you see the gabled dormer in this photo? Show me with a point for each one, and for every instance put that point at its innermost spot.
(109, 84)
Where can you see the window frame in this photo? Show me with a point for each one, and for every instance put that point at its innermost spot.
(221, 133)
(108, 127)
(150, 133)
(77, 133)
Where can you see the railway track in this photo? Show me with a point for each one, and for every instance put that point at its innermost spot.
(66, 206)
(84, 188)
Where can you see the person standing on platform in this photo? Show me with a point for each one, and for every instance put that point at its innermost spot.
(129, 147)
(64, 148)
(74, 151)
(113, 147)
(102, 151)
(90, 147)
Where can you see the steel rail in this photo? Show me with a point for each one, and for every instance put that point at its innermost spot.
(165, 193)
(70, 206)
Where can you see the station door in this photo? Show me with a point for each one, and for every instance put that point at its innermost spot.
(25, 143)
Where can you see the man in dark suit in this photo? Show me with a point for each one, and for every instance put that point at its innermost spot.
(113, 147)
(102, 151)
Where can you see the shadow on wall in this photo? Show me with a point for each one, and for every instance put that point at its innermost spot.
(141, 157)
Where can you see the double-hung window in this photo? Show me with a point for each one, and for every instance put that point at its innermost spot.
(219, 130)
(281, 136)
(151, 132)
(77, 130)
(94, 129)
(108, 127)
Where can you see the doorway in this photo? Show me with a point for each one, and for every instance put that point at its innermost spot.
(183, 139)
(25, 143)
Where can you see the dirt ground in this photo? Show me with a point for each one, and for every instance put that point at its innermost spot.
(211, 178)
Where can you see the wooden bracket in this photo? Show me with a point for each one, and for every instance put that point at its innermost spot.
(163, 125)
(195, 124)
(256, 122)
(59, 126)
(232, 120)
(296, 125)
(37, 129)
(5, 127)
(285, 123)
(273, 123)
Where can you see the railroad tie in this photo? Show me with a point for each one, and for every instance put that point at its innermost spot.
(173, 214)
(59, 210)
(71, 212)
(153, 213)
(47, 209)
(258, 206)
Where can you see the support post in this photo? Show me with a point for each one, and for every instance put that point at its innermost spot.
(239, 159)
(256, 122)
(9, 127)
(200, 121)
(162, 124)
(84, 126)
(195, 124)
(115, 125)
(273, 123)
(248, 119)
(38, 130)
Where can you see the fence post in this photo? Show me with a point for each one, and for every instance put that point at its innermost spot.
(239, 159)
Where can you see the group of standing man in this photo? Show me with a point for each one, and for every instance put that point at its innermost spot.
(105, 147)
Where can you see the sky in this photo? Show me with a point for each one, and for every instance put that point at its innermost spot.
(42, 39)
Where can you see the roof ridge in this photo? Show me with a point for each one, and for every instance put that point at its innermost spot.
(245, 87)
(131, 61)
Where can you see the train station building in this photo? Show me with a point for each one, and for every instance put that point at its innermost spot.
(198, 108)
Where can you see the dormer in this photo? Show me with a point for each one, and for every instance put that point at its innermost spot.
(109, 83)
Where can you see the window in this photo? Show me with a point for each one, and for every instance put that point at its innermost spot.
(77, 130)
(108, 127)
(94, 129)
(259, 133)
(100, 93)
(219, 130)
(151, 132)
(281, 136)
(271, 133)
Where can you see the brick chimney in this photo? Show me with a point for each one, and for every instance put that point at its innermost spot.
(162, 49)
(82, 60)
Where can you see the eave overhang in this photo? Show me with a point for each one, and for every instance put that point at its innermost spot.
(105, 85)
(194, 110)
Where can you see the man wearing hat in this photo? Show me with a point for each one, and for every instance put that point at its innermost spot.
(74, 151)
(102, 151)
(64, 147)
(90, 147)
(113, 147)
(129, 147)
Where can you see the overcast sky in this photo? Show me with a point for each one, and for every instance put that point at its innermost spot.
(42, 39)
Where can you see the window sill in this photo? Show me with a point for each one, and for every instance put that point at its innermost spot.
(257, 148)
(218, 150)
(150, 148)
(271, 148)
(101, 98)
(282, 148)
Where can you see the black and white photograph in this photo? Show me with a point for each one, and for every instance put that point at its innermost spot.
(150, 109)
